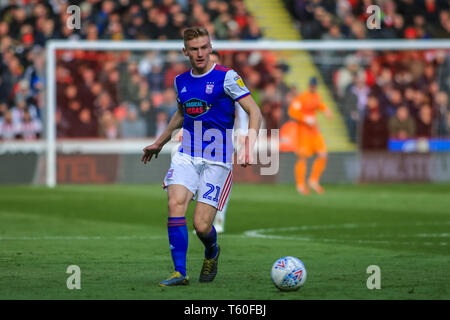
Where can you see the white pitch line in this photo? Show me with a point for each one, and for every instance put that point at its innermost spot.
(262, 233)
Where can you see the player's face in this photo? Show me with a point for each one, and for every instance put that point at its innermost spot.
(198, 50)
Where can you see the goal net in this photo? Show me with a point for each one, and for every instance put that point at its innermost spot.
(106, 100)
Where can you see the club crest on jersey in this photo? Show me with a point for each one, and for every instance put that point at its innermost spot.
(239, 81)
(169, 174)
(209, 88)
(195, 107)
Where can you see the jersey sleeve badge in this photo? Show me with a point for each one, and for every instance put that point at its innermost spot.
(239, 81)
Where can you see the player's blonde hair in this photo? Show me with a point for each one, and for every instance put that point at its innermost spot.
(193, 33)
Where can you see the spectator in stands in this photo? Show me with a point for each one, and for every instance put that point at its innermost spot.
(401, 125)
(424, 122)
(161, 122)
(5, 88)
(223, 25)
(108, 126)
(101, 18)
(8, 129)
(130, 92)
(148, 113)
(84, 88)
(442, 110)
(354, 104)
(169, 104)
(345, 75)
(103, 103)
(113, 85)
(156, 76)
(132, 126)
(270, 114)
(62, 124)
(91, 32)
(85, 126)
(30, 128)
(252, 30)
(420, 98)
(375, 132)
(398, 29)
(372, 104)
(443, 30)
(394, 101)
(18, 110)
(427, 78)
(409, 95)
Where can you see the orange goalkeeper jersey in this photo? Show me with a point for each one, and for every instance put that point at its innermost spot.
(306, 137)
(305, 106)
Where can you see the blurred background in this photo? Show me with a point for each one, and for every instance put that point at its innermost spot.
(392, 116)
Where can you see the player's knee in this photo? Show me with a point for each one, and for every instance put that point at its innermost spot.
(175, 206)
(202, 227)
(323, 155)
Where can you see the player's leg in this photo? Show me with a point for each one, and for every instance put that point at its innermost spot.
(214, 188)
(319, 164)
(300, 174)
(178, 200)
(303, 153)
(318, 167)
(181, 184)
(203, 223)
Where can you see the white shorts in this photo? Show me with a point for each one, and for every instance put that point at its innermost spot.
(209, 181)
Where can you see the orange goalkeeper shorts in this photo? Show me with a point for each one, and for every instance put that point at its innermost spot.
(310, 142)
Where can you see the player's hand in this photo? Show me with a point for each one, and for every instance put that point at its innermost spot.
(310, 121)
(149, 151)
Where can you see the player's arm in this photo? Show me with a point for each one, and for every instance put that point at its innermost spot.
(235, 88)
(242, 120)
(175, 122)
(254, 123)
(323, 107)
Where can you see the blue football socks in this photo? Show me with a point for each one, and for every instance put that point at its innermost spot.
(178, 240)
(210, 243)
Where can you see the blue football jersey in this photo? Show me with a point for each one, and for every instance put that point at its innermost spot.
(208, 102)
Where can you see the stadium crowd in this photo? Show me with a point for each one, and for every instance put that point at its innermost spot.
(390, 94)
(129, 94)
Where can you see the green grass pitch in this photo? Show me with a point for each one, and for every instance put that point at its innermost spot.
(117, 235)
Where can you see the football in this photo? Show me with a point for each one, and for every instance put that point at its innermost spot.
(288, 273)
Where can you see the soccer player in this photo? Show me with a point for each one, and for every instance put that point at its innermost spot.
(303, 108)
(242, 131)
(202, 167)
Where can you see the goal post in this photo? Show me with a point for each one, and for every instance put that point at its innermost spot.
(128, 45)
